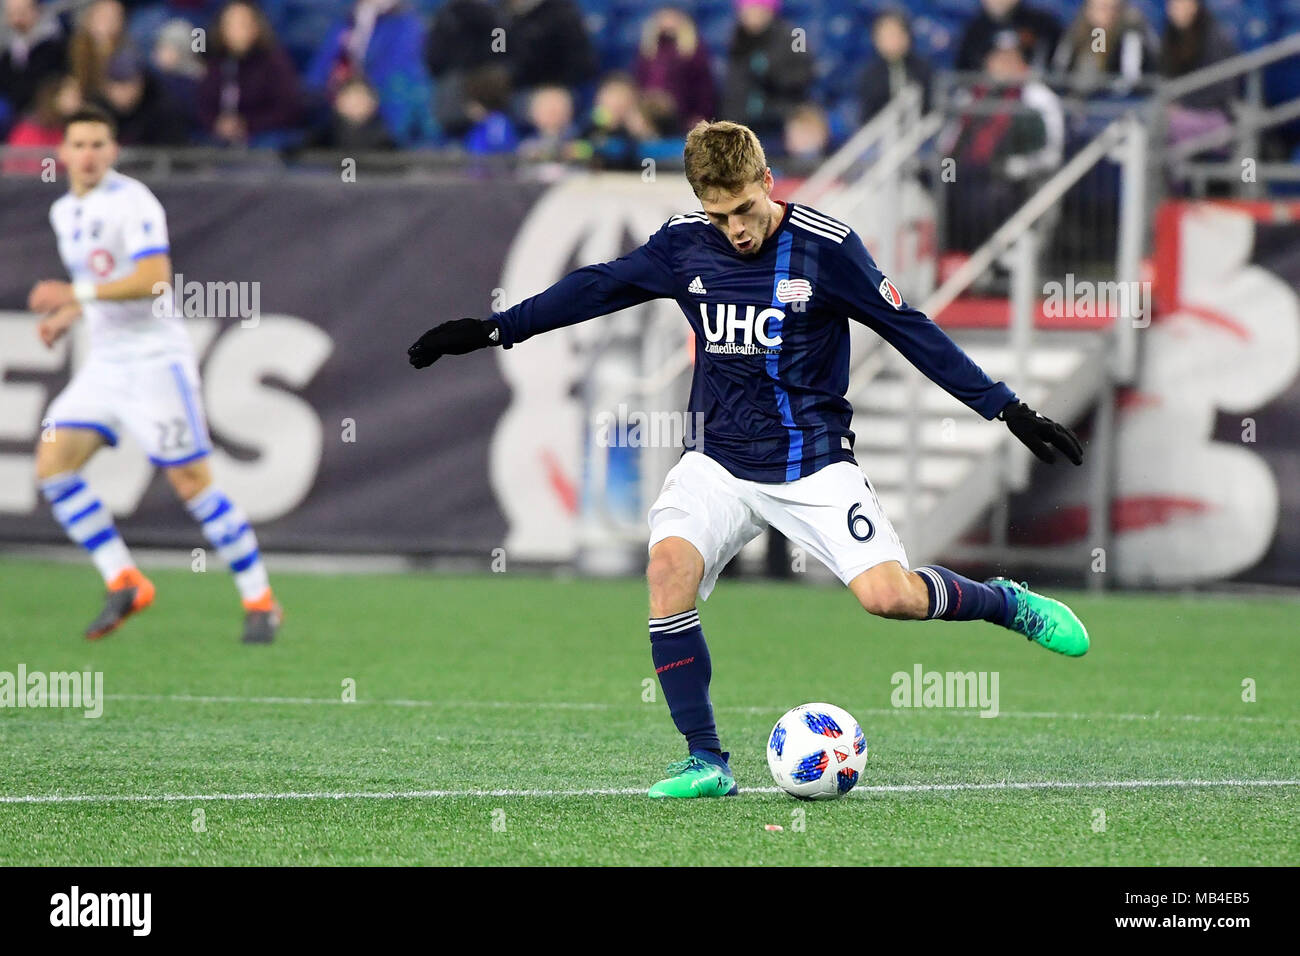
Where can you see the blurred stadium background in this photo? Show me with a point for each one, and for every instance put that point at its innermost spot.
(1110, 226)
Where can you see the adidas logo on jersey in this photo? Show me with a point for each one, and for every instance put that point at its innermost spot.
(696, 287)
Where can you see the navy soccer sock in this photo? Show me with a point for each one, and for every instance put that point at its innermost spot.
(681, 660)
(955, 598)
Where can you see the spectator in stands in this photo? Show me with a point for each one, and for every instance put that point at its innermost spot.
(178, 68)
(35, 52)
(895, 65)
(139, 104)
(487, 98)
(382, 41)
(461, 39)
(1010, 135)
(547, 44)
(659, 126)
(1110, 40)
(1193, 40)
(550, 113)
(356, 125)
(616, 126)
(1037, 31)
(250, 94)
(768, 74)
(42, 124)
(807, 137)
(672, 59)
(100, 33)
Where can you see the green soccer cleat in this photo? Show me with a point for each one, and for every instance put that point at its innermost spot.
(696, 777)
(1045, 621)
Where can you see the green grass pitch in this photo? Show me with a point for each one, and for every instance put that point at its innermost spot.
(492, 711)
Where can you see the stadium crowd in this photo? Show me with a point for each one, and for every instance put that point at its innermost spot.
(606, 82)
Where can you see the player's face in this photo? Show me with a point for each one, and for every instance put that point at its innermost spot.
(88, 151)
(745, 217)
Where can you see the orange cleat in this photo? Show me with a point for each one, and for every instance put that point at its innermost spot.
(128, 593)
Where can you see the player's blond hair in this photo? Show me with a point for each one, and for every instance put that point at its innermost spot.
(723, 156)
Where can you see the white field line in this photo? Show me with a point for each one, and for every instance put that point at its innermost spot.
(625, 791)
(578, 705)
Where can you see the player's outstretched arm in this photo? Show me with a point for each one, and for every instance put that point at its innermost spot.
(643, 274)
(869, 297)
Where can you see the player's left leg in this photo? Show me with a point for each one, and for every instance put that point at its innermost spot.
(936, 593)
(228, 531)
(165, 414)
(835, 514)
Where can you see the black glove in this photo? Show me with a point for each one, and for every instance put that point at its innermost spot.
(458, 337)
(1040, 435)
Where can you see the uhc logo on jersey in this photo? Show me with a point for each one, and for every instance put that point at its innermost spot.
(793, 290)
(889, 293)
(729, 331)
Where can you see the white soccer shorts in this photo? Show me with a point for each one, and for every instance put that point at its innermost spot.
(833, 514)
(155, 400)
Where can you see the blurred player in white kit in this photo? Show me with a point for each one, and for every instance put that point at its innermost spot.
(141, 377)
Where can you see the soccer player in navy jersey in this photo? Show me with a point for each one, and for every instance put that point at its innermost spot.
(768, 287)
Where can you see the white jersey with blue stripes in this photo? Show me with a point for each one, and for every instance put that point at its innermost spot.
(101, 236)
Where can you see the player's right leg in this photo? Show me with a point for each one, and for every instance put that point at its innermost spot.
(697, 525)
(60, 455)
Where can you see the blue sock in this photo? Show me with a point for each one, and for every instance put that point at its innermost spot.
(227, 529)
(681, 660)
(955, 598)
(88, 522)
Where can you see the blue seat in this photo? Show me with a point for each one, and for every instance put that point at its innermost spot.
(1153, 10)
(1064, 10)
(716, 30)
(963, 9)
(937, 37)
(144, 23)
(1251, 23)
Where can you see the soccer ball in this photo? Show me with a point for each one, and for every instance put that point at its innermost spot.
(817, 752)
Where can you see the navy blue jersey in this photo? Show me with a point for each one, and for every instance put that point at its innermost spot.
(771, 334)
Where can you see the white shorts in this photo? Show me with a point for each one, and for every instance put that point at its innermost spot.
(833, 514)
(156, 400)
